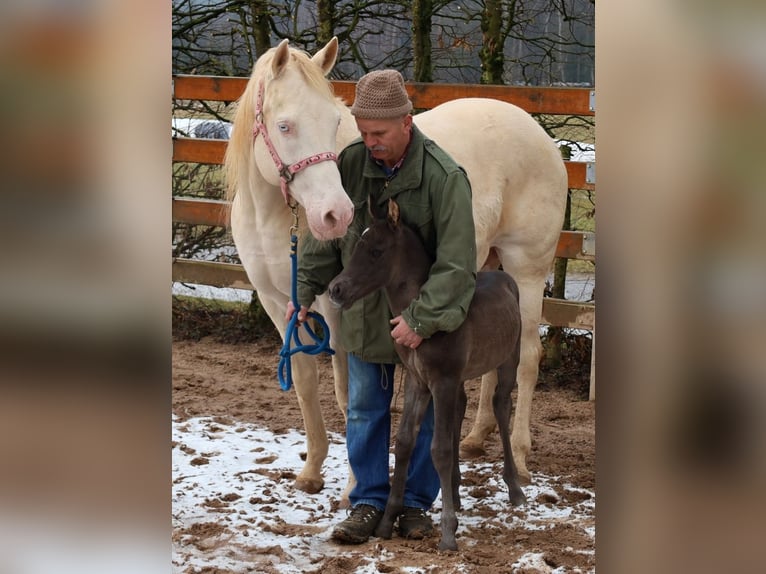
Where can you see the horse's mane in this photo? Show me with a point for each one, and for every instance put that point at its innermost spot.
(238, 162)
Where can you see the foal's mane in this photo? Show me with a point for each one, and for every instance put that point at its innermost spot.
(238, 162)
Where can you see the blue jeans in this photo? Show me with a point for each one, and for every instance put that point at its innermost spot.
(368, 430)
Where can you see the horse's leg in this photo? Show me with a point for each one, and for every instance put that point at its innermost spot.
(446, 405)
(484, 423)
(531, 305)
(416, 398)
(502, 404)
(306, 382)
(340, 376)
(304, 368)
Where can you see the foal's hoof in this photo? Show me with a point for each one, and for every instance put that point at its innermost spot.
(447, 544)
(310, 485)
(517, 496)
(385, 531)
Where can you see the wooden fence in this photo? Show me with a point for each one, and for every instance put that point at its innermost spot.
(565, 101)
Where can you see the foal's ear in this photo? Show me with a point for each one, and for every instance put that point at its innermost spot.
(374, 210)
(393, 213)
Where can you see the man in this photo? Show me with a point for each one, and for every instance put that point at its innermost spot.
(393, 159)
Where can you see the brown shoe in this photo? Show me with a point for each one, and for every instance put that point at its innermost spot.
(415, 524)
(359, 525)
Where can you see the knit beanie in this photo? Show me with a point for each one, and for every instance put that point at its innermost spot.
(380, 95)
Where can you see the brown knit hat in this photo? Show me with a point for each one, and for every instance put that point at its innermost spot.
(380, 95)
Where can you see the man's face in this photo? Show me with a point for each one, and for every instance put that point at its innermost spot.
(386, 139)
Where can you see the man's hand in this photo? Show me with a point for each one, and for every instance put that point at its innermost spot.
(403, 334)
(302, 314)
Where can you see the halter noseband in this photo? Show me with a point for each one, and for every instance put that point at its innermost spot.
(286, 172)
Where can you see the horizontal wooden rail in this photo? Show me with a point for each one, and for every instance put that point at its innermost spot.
(211, 273)
(577, 245)
(198, 150)
(570, 314)
(209, 151)
(571, 245)
(201, 211)
(535, 100)
(556, 312)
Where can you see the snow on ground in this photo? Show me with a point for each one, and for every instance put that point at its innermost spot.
(240, 475)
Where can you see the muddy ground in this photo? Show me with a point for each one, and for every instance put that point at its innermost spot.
(238, 381)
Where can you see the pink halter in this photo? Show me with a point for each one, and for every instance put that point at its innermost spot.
(286, 172)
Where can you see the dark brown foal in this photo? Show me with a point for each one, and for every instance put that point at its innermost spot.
(390, 255)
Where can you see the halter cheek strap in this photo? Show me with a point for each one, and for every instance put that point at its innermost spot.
(286, 172)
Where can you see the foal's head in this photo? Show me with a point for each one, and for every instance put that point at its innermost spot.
(377, 260)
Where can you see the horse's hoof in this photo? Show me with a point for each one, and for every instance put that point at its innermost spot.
(312, 486)
(525, 478)
(447, 545)
(470, 450)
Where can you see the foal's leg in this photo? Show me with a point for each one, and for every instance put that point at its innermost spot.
(462, 401)
(445, 393)
(484, 423)
(416, 399)
(502, 404)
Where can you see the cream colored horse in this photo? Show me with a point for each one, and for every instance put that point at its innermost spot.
(288, 120)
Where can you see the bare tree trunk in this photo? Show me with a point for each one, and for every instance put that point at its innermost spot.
(261, 35)
(491, 53)
(326, 20)
(421, 40)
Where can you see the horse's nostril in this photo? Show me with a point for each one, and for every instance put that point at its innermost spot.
(334, 218)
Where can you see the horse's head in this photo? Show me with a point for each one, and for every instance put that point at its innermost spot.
(285, 128)
(376, 260)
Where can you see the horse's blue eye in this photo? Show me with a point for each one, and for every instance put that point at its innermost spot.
(284, 128)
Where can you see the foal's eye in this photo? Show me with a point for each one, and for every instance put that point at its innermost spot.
(283, 127)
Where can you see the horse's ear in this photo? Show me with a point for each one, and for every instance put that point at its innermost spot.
(325, 58)
(281, 57)
(393, 213)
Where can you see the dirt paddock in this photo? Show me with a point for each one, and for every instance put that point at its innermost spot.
(237, 382)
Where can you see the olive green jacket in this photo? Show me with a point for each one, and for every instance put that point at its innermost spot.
(434, 197)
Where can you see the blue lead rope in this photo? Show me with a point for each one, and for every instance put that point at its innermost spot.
(284, 372)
